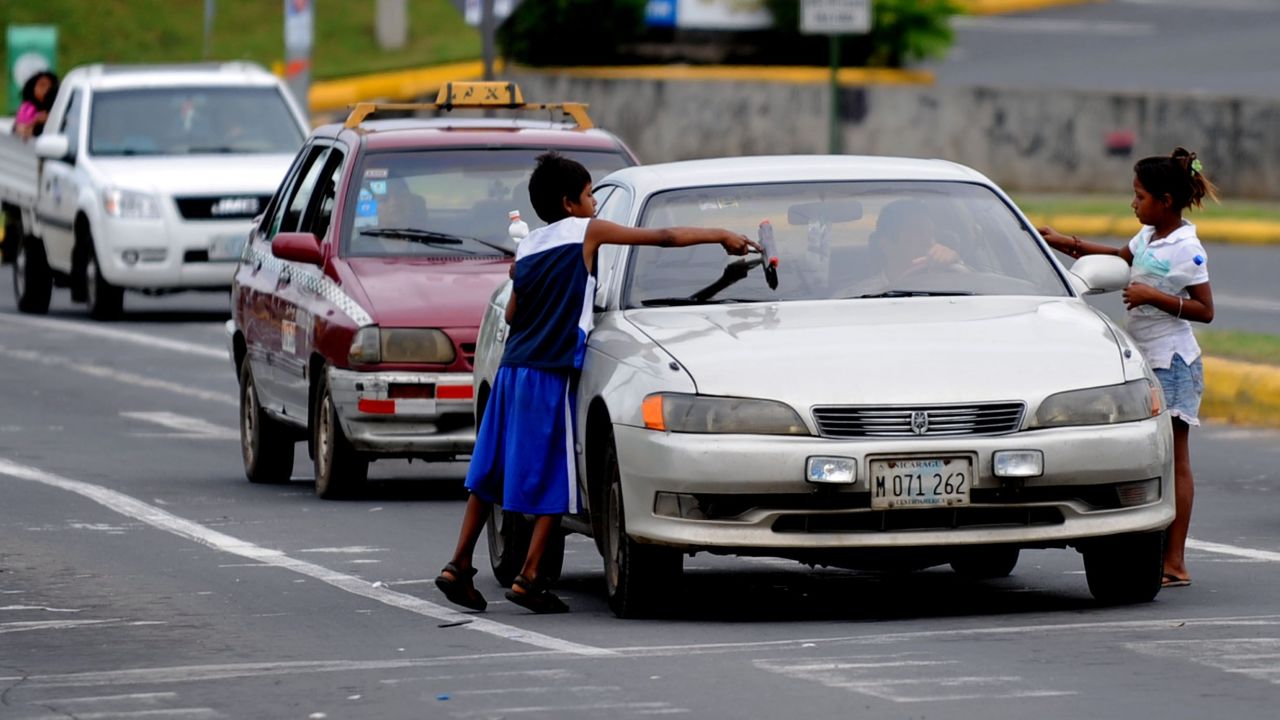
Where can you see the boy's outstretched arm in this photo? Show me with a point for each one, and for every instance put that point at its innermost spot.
(603, 232)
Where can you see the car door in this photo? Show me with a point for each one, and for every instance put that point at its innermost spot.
(266, 278)
(59, 190)
(296, 296)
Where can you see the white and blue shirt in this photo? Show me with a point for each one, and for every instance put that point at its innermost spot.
(1170, 265)
(554, 293)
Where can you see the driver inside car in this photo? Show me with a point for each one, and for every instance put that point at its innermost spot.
(905, 243)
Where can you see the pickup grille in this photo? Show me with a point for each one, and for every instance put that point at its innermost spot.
(856, 421)
(222, 207)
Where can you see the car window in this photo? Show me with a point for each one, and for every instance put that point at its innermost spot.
(616, 207)
(192, 121)
(294, 201)
(71, 123)
(269, 219)
(462, 194)
(324, 196)
(844, 240)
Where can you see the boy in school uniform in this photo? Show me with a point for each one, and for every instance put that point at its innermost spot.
(523, 457)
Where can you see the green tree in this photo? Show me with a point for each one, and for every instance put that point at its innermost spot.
(902, 31)
(571, 32)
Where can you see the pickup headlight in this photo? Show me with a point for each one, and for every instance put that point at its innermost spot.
(130, 204)
(676, 412)
(1134, 400)
(372, 344)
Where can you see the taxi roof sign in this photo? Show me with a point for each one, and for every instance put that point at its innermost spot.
(473, 95)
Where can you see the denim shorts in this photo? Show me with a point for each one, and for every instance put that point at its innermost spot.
(1183, 385)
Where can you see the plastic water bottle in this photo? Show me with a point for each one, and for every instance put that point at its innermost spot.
(518, 229)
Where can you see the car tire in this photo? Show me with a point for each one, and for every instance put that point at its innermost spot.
(32, 279)
(106, 301)
(986, 562)
(1125, 569)
(637, 576)
(13, 234)
(340, 469)
(265, 444)
(508, 535)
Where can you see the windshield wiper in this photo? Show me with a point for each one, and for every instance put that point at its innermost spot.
(430, 237)
(911, 293)
(211, 150)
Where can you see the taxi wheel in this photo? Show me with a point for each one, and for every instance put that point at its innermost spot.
(266, 445)
(637, 576)
(1125, 569)
(339, 468)
(986, 563)
(508, 534)
(106, 301)
(32, 281)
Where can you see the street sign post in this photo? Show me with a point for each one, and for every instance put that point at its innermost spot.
(487, 15)
(834, 18)
(31, 49)
(299, 34)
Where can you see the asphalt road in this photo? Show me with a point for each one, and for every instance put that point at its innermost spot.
(1223, 47)
(142, 576)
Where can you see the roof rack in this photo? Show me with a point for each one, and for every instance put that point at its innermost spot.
(472, 95)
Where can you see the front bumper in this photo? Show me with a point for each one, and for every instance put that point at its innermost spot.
(376, 422)
(765, 502)
(168, 253)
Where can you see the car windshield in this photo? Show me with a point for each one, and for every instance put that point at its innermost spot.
(192, 121)
(836, 240)
(447, 202)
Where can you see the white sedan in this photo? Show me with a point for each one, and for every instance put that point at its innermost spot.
(906, 378)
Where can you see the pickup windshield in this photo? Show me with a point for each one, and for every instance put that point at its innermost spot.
(192, 121)
(842, 240)
(458, 199)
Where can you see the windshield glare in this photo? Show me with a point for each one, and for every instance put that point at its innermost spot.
(192, 121)
(839, 240)
(451, 193)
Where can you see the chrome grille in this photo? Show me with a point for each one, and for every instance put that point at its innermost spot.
(854, 421)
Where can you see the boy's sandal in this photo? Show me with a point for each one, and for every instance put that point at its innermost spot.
(459, 589)
(535, 596)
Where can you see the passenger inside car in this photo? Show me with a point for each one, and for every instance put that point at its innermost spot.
(905, 244)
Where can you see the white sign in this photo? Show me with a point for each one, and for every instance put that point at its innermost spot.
(501, 10)
(299, 26)
(835, 17)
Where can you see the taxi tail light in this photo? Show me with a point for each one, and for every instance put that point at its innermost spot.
(651, 411)
(455, 392)
(402, 391)
(377, 407)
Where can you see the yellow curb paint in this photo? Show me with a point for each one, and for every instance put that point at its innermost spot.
(781, 74)
(1214, 230)
(1001, 7)
(1241, 393)
(337, 94)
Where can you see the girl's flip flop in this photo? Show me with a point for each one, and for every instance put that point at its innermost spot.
(1170, 580)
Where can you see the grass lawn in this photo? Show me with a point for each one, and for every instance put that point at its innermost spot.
(1045, 204)
(135, 31)
(1240, 345)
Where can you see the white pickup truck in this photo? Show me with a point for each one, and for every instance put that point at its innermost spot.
(145, 178)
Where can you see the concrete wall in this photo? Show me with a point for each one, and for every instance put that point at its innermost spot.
(1025, 140)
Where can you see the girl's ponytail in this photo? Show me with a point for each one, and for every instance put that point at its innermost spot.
(1179, 175)
(1201, 186)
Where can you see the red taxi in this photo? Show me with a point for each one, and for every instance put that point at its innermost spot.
(358, 297)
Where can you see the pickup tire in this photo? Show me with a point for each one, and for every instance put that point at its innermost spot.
(32, 279)
(1125, 569)
(985, 562)
(265, 444)
(636, 576)
(106, 301)
(340, 469)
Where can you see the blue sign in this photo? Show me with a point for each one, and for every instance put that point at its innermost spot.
(660, 13)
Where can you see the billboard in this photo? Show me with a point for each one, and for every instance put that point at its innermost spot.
(709, 14)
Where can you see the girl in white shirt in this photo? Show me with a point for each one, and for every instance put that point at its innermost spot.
(1168, 288)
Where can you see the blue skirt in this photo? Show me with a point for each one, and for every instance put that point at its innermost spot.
(524, 458)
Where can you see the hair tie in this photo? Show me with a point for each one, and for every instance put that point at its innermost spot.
(1196, 167)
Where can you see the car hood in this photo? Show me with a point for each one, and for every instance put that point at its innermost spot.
(892, 351)
(195, 174)
(427, 293)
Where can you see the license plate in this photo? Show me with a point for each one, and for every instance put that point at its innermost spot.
(227, 247)
(920, 482)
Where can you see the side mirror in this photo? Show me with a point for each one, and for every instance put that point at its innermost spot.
(1094, 274)
(53, 147)
(297, 247)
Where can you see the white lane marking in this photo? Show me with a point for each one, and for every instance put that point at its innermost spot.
(549, 674)
(579, 689)
(29, 625)
(154, 516)
(1050, 26)
(1243, 302)
(140, 698)
(109, 715)
(120, 376)
(189, 428)
(590, 710)
(1224, 549)
(40, 607)
(350, 549)
(1257, 658)
(875, 679)
(135, 338)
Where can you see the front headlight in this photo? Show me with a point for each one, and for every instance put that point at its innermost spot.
(681, 413)
(372, 344)
(130, 204)
(1134, 400)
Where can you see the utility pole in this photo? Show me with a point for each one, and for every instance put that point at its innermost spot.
(210, 9)
(487, 28)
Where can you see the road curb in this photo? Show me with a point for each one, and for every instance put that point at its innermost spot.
(1213, 230)
(1003, 7)
(1241, 393)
